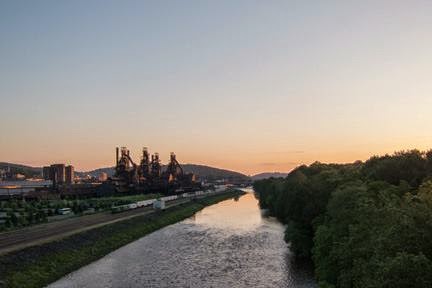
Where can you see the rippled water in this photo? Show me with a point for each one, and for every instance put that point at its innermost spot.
(225, 245)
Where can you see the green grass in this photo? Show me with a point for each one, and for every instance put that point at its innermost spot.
(38, 266)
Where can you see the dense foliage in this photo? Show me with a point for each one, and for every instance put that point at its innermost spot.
(363, 224)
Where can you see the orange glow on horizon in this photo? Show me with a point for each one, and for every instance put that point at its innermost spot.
(246, 162)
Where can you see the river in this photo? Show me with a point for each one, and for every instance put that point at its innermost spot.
(229, 244)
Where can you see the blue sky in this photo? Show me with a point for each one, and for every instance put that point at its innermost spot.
(245, 85)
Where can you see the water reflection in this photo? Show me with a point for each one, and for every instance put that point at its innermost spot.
(234, 216)
(224, 245)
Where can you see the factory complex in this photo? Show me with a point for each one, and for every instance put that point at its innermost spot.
(130, 177)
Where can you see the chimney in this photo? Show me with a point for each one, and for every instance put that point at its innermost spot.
(117, 156)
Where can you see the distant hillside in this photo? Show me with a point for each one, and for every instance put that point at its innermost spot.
(266, 175)
(96, 172)
(21, 169)
(211, 173)
(202, 171)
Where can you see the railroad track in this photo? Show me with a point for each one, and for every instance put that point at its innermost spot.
(47, 232)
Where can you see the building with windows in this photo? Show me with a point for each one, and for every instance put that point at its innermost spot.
(69, 174)
(59, 174)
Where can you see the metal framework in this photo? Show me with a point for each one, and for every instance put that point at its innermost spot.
(149, 175)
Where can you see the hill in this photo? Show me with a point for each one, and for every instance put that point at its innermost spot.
(211, 173)
(96, 172)
(267, 175)
(28, 171)
(203, 172)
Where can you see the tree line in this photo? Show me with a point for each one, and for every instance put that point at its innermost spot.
(364, 224)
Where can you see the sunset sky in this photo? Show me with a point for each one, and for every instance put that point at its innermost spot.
(251, 86)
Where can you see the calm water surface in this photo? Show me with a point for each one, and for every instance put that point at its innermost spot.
(229, 244)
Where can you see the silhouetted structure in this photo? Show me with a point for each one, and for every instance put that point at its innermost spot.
(69, 174)
(46, 172)
(59, 174)
(149, 175)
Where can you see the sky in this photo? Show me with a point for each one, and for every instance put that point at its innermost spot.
(250, 86)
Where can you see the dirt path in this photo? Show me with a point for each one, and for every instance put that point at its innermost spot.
(38, 234)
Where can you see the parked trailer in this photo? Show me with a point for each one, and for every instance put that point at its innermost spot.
(64, 211)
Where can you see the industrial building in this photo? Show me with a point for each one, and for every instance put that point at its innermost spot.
(59, 174)
(149, 176)
(69, 174)
(46, 172)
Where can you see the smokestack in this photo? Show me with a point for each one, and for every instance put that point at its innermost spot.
(117, 156)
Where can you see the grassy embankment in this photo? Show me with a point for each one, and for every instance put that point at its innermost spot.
(38, 266)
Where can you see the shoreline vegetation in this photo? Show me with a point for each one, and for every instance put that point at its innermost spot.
(38, 266)
(364, 224)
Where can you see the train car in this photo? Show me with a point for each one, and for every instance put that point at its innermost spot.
(169, 198)
(145, 203)
(132, 206)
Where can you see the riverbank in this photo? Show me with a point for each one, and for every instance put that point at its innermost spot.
(229, 244)
(40, 265)
(364, 224)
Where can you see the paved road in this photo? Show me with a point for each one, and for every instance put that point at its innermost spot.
(38, 234)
